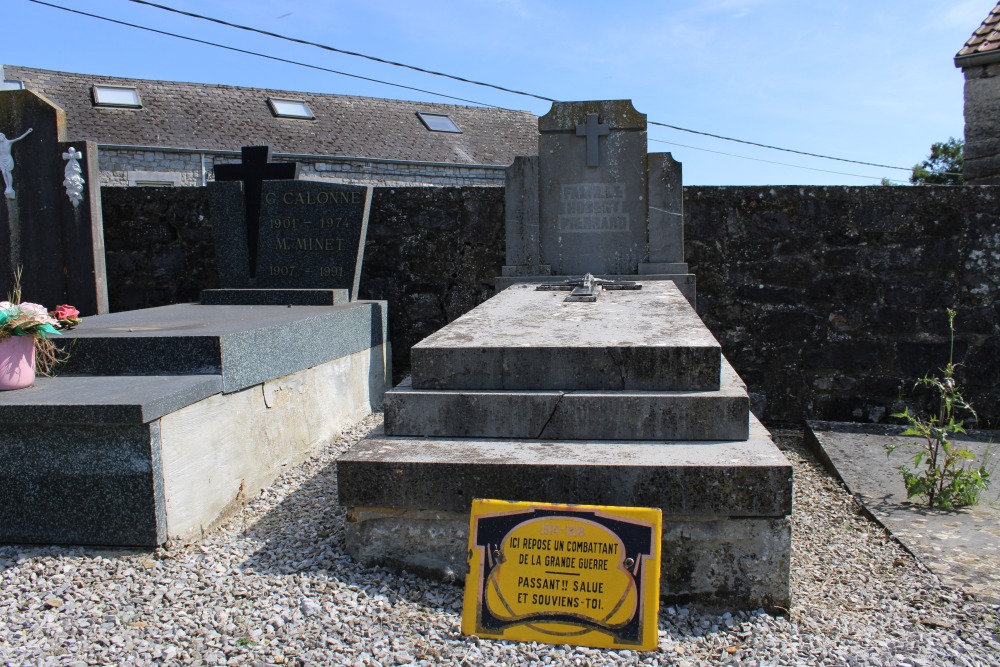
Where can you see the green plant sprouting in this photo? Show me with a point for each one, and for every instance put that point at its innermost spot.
(944, 473)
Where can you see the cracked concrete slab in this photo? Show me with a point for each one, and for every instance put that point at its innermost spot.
(572, 415)
(645, 340)
(962, 547)
(749, 478)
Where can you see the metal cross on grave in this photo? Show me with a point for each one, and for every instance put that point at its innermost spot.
(592, 129)
(587, 288)
(254, 170)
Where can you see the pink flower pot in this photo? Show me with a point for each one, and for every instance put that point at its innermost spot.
(17, 362)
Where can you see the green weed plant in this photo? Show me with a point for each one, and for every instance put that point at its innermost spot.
(943, 474)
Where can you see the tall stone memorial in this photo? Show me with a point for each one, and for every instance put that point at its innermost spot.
(593, 201)
(283, 240)
(50, 213)
(589, 391)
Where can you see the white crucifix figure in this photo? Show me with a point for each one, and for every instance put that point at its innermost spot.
(7, 162)
(74, 176)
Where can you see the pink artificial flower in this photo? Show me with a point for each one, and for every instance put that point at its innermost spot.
(66, 312)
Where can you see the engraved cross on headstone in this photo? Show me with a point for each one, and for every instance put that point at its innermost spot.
(592, 129)
(254, 170)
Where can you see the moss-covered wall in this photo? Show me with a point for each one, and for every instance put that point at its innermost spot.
(829, 301)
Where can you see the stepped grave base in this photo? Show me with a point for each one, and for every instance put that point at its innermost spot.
(726, 532)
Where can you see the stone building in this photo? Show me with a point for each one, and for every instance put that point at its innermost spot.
(980, 62)
(170, 133)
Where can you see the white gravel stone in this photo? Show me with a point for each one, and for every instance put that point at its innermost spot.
(274, 586)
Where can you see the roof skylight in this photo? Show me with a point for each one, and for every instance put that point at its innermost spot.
(116, 96)
(290, 108)
(438, 122)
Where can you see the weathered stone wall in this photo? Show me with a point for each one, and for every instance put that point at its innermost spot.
(158, 246)
(830, 302)
(123, 167)
(982, 125)
(433, 254)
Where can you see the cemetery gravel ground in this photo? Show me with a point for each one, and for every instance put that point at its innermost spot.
(274, 586)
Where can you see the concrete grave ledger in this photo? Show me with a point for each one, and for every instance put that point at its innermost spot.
(623, 401)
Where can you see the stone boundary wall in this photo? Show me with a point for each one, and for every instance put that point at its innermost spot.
(829, 301)
(122, 167)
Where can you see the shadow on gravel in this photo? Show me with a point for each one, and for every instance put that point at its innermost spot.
(304, 536)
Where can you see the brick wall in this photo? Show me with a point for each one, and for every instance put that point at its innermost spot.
(828, 301)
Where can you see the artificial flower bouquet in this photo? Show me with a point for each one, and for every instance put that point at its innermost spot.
(25, 329)
(31, 319)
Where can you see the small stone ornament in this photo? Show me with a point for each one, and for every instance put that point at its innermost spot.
(7, 163)
(74, 182)
(587, 288)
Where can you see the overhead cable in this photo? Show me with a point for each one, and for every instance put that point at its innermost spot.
(491, 85)
(261, 55)
(757, 159)
(442, 74)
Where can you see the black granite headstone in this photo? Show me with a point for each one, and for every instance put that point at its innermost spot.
(50, 214)
(252, 172)
(312, 235)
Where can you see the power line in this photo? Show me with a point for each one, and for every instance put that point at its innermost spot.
(776, 148)
(442, 74)
(784, 164)
(343, 51)
(261, 55)
(493, 86)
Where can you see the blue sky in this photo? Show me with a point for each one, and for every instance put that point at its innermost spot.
(870, 80)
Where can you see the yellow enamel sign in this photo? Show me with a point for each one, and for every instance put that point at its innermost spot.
(564, 574)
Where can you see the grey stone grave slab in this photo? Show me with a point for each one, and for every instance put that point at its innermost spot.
(312, 234)
(80, 458)
(50, 215)
(750, 478)
(646, 340)
(274, 297)
(244, 344)
(575, 415)
(105, 400)
(177, 414)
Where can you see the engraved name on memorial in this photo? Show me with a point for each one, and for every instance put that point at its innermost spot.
(593, 207)
(312, 235)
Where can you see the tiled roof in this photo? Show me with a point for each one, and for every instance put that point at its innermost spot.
(217, 117)
(986, 38)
